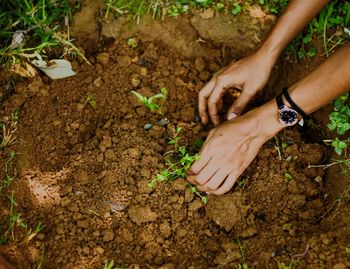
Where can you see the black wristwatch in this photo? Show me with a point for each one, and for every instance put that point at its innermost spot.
(289, 116)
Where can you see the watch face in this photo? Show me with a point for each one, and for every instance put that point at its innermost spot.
(288, 117)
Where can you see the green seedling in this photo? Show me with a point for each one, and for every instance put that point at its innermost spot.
(219, 7)
(243, 265)
(236, 9)
(347, 251)
(287, 226)
(288, 176)
(194, 190)
(41, 261)
(179, 161)
(151, 102)
(110, 265)
(340, 117)
(38, 228)
(8, 171)
(132, 42)
(242, 183)
(91, 101)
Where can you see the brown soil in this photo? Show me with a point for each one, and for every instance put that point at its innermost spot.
(83, 173)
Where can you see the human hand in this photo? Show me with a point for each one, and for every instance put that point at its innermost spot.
(231, 147)
(249, 75)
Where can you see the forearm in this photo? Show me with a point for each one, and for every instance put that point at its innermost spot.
(324, 84)
(296, 16)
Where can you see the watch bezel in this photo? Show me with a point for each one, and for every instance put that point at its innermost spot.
(287, 109)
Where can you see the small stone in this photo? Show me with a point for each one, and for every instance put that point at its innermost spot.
(163, 122)
(99, 250)
(82, 176)
(143, 71)
(179, 184)
(339, 266)
(135, 81)
(103, 58)
(148, 126)
(140, 214)
(98, 82)
(165, 229)
(134, 153)
(195, 205)
(126, 235)
(108, 236)
(86, 250)
(110, 154)
(199, 64)
(100, 158)
(96, 233)
(83, 224)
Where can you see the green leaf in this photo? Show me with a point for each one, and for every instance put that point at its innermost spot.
(312, 52)
(288, 176)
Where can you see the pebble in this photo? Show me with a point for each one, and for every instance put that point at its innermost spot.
(165, 229)
(98, 250)
(179, 184)
(195, 205)
(108, 236)
(103, 58)
(110, 154)
(339, 266)
(148, 126)
(163, 122)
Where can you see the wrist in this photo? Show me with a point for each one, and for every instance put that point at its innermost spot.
(266, 120)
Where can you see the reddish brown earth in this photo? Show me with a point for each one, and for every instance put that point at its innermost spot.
(83, 173)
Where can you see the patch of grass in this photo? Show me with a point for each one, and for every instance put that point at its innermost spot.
(151, 102)
(33, 27)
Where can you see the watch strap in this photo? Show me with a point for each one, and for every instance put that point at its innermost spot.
(292, 104)
(279, 101)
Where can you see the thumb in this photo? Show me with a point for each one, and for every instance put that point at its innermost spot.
(238, 105)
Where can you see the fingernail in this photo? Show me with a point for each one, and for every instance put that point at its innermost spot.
(207, 192)
(231, 116)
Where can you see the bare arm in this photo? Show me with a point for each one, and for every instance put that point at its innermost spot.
(251, 73)
(232, 146)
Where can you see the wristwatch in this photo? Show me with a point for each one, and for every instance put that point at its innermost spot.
(289, 116)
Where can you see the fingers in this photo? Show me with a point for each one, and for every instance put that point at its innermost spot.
(202, 101)
(205, 174)
(216, 180)
(227, 185)
(198, 165)
(214, 101)
(238, 105)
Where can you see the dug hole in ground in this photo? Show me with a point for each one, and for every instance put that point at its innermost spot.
(83, 171)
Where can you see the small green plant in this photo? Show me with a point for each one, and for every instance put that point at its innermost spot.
(287, 226)
(236, 9)
(41, 260)
(151, 102)
(288, 176)
(243, 265)
(178, 162)
(8, 171)
(110, 265)
(132, 42)
(91, 101)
